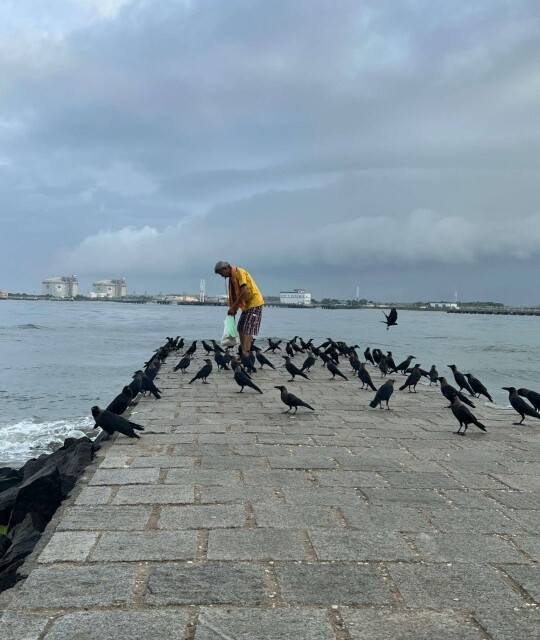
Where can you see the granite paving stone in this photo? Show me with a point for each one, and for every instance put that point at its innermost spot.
(125, 476)
(256, 544)
(528, 578)
(349, 479)
(389, 518)
(68, 546)
(201, 476)
(464, 547)
(85, 586)
(202, 516)
(145, 545)
(334, 584)
(237, 493)
(360, 546)
(162, 462)
(298, 516)
(16, 626)
(155, 494)
(108, 518)
(263, 624)
(529, 544)
(329, 496)
(210, 583)
(384, 624)
(277, 478)
(517, 500)
(405, 497)
(472, 520)
(470, 499)
(510, 624)
(527, 519)
(521, 482)
(439, 586)
(116, 625)
(301, 461)
(94, 496)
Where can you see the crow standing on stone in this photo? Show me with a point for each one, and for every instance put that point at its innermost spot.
(412, 379)
(110, 422)
(365, 378)
(520, 405)
(121, 402)
(262, 360)
(383, 366)
(461, 380)
(433, 375)
(293, 369)
(335, 371)
(368, 356)
(273, 345)
(221, 361)
(403, 366)
(183, 364)
(478, 387)
(391, 318)
(449, 392)
(242, 379)
(147, 384)
(208, 348)
(203, 372)
(532, 396)
(464, 416)
(383, 394)
(189, 353)
(291, 400)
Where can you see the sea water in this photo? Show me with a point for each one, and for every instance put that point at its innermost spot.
(60, 358)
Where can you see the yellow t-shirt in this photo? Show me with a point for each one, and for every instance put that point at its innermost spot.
(253, 297)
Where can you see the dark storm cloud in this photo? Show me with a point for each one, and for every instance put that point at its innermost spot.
(312, 137)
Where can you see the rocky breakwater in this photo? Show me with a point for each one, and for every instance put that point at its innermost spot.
(30, 496)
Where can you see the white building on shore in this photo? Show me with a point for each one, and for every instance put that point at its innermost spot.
(60, 287)
(443, 305)
(299, 297)
(109, 289)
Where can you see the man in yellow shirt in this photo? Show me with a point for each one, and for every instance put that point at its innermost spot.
(243, 294)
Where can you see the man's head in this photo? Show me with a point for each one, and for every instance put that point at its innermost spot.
(223, 268)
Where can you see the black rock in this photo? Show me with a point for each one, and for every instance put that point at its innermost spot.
(9, 478)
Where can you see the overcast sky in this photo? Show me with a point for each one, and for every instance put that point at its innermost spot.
(323, 144)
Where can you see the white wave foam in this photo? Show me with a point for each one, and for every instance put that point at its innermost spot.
(30, 438)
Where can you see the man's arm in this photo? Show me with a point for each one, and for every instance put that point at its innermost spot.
(241, 297)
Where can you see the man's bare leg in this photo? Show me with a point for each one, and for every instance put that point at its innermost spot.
(245, 343)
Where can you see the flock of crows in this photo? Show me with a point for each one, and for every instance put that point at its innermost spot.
(525, 401)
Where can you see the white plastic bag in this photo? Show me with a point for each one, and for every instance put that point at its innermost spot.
(230, 333)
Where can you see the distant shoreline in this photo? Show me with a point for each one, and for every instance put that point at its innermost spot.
(467, 310)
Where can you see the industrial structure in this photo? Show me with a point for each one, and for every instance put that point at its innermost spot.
(60, 287)
(109, 288)
(298, 297)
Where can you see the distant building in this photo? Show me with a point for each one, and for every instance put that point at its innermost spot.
(109, 288)
(3, 294)
(60, 287)
(443, 305)
(298, 296)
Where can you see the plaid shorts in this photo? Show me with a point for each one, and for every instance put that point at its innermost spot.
(250, 321)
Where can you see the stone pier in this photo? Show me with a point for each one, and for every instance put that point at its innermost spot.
(229, 520)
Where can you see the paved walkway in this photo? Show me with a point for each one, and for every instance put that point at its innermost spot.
(229, 520)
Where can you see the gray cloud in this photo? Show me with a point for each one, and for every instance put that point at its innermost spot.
(316, 138)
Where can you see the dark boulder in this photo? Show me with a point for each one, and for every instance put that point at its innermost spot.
(5, 543)
(28, 508)
(7, 500)
(9, 478)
